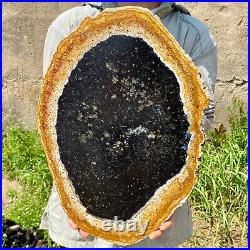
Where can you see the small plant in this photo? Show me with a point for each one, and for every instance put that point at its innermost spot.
(12, 193)
(4, 240)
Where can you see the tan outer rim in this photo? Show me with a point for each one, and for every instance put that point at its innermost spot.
(138, 22)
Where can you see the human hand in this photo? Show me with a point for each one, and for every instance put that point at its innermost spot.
(153, 236)
(75, 227)
(165, 226)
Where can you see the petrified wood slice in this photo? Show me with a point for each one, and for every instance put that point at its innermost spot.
(120, 121)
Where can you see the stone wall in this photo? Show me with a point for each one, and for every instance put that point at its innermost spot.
(24, 30)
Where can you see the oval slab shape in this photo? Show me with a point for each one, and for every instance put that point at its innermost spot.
(120, 121)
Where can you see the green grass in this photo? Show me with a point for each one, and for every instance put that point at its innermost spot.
(24, 161)
(219, 198)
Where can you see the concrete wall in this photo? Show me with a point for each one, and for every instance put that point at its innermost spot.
(24, 30)
(229, 27)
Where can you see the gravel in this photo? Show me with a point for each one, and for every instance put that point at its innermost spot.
(14, 236)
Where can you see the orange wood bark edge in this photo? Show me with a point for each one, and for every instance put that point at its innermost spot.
(138, 22)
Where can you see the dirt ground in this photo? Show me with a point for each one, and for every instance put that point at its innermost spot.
(9, 189)
(206, 236)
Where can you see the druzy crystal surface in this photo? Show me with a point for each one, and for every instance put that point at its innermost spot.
(121, 128)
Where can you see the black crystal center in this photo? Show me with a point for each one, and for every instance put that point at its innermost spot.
(121, 129)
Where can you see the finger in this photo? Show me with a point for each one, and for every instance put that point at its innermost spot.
(83, 234)
(72, 225)
(156, 234)
(171, 218)
(166, 225)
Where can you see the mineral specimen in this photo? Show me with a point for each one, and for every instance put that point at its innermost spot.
(120, 121)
